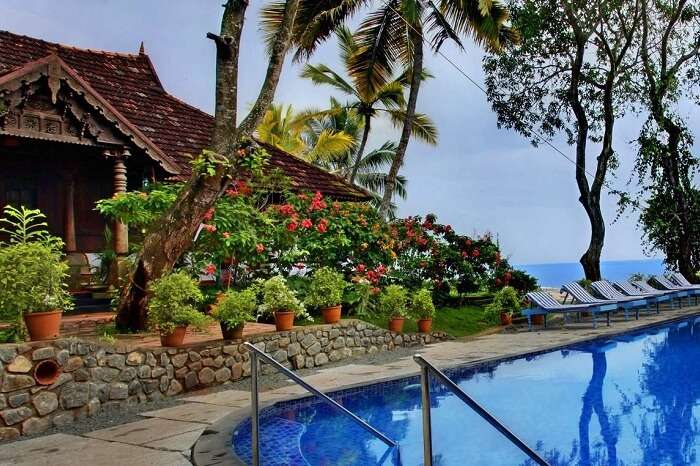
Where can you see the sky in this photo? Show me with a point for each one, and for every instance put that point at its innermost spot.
(479, 178)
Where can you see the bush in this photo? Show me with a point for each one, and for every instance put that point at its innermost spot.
(506, 300)
(32, 279)
(393, 301)
(235, 307)
(278, 297)
(422, 306)
(326, 289)
(174, 303)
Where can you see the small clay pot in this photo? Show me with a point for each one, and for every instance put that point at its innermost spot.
(506, 318)
(537, 319)
(43, 325)
(331, 315)
(235, 333)
(175, 338)
(396, 324)
(284, 320)
(425, 325)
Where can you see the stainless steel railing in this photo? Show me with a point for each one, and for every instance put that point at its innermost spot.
(256, 353)
(425, 370)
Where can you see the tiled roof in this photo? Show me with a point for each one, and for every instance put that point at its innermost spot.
(130, 84)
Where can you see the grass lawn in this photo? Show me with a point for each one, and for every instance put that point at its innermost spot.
(458, 322)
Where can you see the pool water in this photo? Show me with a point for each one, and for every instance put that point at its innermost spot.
(630, 400)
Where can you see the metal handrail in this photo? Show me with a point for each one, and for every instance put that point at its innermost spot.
(426, 369)
(256, 353)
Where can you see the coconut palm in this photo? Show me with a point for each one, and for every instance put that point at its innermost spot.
(385, 96)
(283, 128)
(394, 34)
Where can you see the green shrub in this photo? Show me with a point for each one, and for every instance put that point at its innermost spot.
(278, 297)
(506, 300)
(235, 307)
(422, 306)
(174, 303)
(326, 289)
(393, 301)
(32, 279)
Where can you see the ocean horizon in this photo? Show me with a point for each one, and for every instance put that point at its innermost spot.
(556, 274)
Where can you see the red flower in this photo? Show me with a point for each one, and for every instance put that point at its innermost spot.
(307, 223)
(465, 254)
(299, 265)
(292, 226)
(322, 226)
(361, 268)
(226, 234)
(467, 242)
(209, 214)
(210, 228)
(210, 269)
(259, 247)
(476, 253)
(230, 192)
(243, 188)
(381, 269)
(317, 203)
(287, 209)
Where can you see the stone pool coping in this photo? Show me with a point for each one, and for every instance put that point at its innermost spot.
(214, 445)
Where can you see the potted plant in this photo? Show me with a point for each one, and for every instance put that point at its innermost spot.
(33, 274)
(393, 303)
(423, 309)
(326, 292)
(233, 310)
(506, 302)
(173, 307)
(279, 300)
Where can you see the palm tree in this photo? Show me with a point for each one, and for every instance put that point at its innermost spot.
(386, 95)
(394, 34)
(283, 128)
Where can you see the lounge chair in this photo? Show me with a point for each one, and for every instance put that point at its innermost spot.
(680, 280)
(605, 289)
(675, 294)
(690, 289)
(542, 303)
(581, 296)
(658, 296)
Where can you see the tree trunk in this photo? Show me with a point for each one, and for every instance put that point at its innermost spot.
(590, 260)
(174, 234)
(417, 69)
(360, 150)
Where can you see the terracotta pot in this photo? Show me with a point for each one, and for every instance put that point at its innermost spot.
(43, 325)
(284, 320)
(537, 319)
(235, 333)
(506, 318)
(175, 338)
(425, 325)
(396, 324)
(331, 315)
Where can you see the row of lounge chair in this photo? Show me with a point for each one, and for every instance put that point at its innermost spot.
(611, 297)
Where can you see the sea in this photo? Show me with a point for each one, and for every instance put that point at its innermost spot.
(556, 274)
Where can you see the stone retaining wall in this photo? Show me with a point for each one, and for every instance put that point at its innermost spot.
(95, 376)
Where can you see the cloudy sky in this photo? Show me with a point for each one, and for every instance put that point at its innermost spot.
(478, 179)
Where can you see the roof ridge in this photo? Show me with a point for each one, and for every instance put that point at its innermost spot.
(73, 47)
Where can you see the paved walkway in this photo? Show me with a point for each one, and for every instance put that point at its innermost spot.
(165, 437)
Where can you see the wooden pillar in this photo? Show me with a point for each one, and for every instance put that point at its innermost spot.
(69, 214)
(121, 231)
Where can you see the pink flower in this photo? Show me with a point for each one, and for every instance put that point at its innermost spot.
(226, 235)
(292, 226)
(361, 268)
(259, 247)
(286, 209)
(307, 223)
(210, 228)
(209, 214)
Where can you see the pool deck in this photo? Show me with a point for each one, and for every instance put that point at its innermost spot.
(166, 437)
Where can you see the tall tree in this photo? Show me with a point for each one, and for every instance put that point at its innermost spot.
(571, 74)
(395, 33)
(291, 23)
(385, 96)
(670, 59)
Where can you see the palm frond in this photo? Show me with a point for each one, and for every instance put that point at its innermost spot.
(423, 127)
(391, 95)
(440, 29)
(322, 74)
(330, 144)
(376, 182)
(379, 159)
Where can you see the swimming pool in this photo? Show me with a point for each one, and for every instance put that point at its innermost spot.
(633, 399)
